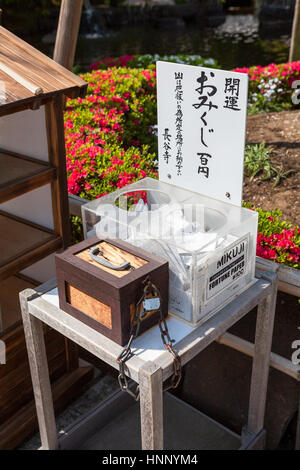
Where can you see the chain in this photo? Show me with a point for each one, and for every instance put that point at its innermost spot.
(176, 377)
(134, 331)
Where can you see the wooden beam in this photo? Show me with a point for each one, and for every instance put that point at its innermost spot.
(295, 38)
(57, 158)
(245, 347)
(261, 360)
(67, 32)
(297, 444)
(35, 89)
(151, 407)
(256, 6)
(75, 203)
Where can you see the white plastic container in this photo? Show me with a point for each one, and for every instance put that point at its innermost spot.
(210, 245)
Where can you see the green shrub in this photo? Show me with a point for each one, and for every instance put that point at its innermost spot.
(149, 60)
(277, 239)
(257, 160)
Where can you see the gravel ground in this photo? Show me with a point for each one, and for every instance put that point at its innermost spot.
(103, 387)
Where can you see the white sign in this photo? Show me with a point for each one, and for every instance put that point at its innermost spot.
(201, 129)
(229, 267)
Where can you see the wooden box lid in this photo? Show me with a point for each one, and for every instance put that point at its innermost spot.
(77, 258)
(115, 255)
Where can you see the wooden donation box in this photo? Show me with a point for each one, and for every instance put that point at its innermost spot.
(34, 222)
(101, 281)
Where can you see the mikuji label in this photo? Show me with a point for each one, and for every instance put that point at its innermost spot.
(229, 267)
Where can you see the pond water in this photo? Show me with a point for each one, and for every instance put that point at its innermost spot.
(235, 43)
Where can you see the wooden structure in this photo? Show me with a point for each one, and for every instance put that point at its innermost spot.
(104, 298)
(150, 366)
(34, 219)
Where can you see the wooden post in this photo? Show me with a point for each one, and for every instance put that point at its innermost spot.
(256, 6)
(67, 32)
(151, 406)
(39, 374)
(261, 361)
(297, 445)
(57, 157)
(295, 39)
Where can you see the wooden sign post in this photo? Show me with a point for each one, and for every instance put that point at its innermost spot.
(67, 32)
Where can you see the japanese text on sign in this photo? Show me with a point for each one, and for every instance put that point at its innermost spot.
(205, 92)
(178, 121)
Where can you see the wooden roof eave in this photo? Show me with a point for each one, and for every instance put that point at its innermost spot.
(35, 101)
(28, 78)
(41, 58)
